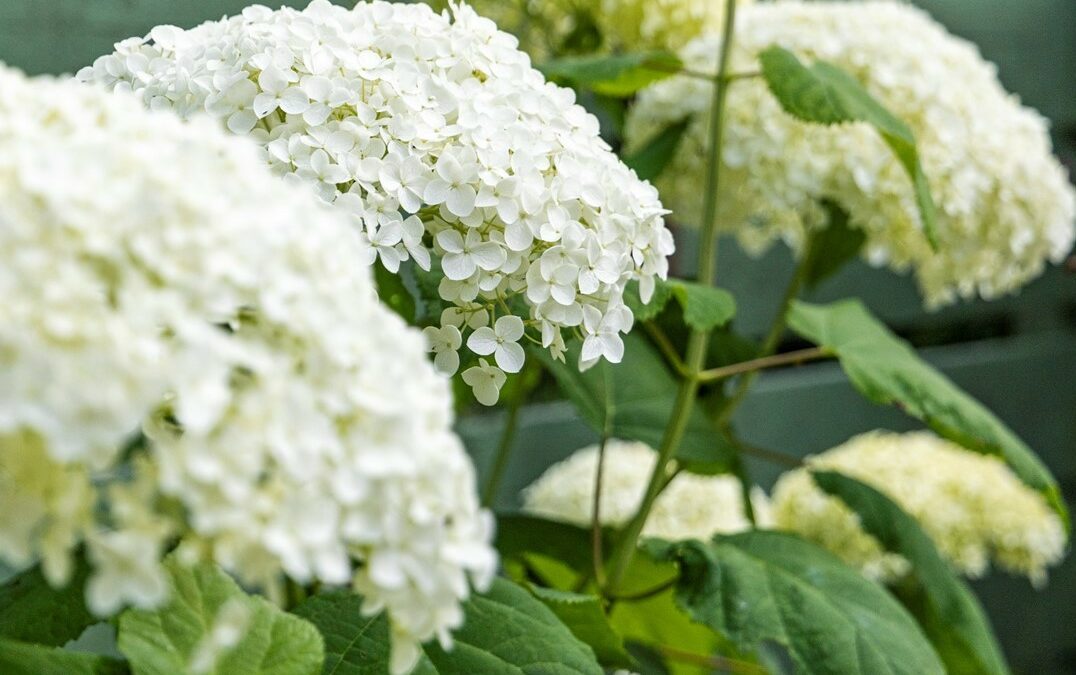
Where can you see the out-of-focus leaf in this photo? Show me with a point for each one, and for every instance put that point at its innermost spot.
(832, 247)
(948, 612)
(617, 75)
(651, 159)
(888, 371)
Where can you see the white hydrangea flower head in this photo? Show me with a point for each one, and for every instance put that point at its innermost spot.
(439, 140)
(691, 507)
(1005, 204)
(156, 275)
(972, 506)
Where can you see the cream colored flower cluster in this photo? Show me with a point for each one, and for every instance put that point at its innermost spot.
(637, 25)
(972, 506)
(546, 26)
(691, 507)
(155, 275)
(1005, 205)
(438, 139)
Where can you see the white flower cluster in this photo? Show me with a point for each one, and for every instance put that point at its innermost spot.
(1005, 205)
(548, 28)
(156, 275)
(435, 135)
(972, 506)
(636, 25)
(691, 507)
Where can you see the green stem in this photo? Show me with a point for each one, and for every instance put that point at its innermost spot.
(772, 361)
(772, 339)
(624, 551)
(597, 555)
(666, 347)
(648, 593)
(699, 340)
(504, 450)
(771, 456)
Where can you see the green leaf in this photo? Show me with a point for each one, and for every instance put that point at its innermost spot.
(506, 630)
(33, 611)
(649, 310)
(651, 159)
(764, 586)
(21, 658)
(832, 247)
(659, 622)
(620, 75)
(354, 644)
(948, 612)
(635, 398)
(887, 371)
(824, 94)
(519, 535)
(705, 307)
(585, 617)
(394, 292)
(163, 642)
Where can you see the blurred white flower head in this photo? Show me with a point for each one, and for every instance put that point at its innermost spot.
(440, 142)
(155, 275)
(972, 506)
(691, 507)
(1005, 204)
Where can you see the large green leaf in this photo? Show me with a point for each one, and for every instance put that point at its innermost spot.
(887, 371)
(22, 658)
(618, 75)
(585, 617)
(33, 611)
(354, 644)
(945, 607)
(506, 630)
(759, 587)
(163, 642)
(651, 159)
(824, 94)
(658, 622)
(634, 400)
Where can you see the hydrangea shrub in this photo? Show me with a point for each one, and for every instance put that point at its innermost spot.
(217, 433)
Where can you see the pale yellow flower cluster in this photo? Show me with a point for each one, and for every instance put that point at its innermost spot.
(691, 507)
(545, 27)
(635, 25)
(972, 506)
(1005, 204)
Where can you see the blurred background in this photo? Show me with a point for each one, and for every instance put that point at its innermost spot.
(1017, 355)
